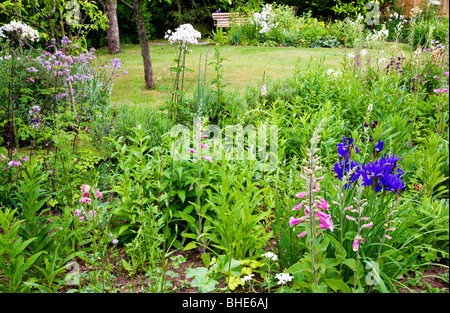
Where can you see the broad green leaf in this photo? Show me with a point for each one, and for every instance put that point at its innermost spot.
(182, 195)
(191, 245)
(350, 263)
(337, 284)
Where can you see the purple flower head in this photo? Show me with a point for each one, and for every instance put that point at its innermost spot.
(371, 174)
(343, 167)
(345, 148)
(392, 182)
(65, 41)
(379, 146)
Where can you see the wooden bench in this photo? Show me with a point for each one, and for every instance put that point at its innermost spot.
(227, 19)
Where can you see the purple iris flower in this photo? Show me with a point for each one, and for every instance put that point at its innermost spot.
(345, 148)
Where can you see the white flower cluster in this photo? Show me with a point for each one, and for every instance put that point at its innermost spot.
(22, 30)
(381, 34)
(248, 278)
(184, 35)
(283, 278)
(332, 72)
(264, 19)
(270, 256)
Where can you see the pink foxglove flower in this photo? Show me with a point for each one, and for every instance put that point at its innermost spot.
(263, 90)
(297, 207)
(355, 245)
(85, 200)
(301, 195)
(302, 234)
(294, 221)
(323, 204)
(368, 225)
(326, 224)
(99, 195)
(207, 158)
(85, 188)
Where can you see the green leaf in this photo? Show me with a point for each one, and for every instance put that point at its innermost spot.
(298, 267)
(350, 263)
(321, 288)
(337, 284)
(329, 263)
(191, 245)
(127, 266)
(188, 218)
(182, 195)
(206, 258)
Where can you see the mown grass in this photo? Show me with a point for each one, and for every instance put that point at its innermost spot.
(243, 65)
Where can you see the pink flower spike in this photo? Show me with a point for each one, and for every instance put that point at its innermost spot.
(77, 212)
(207, 158)
(294, 221)
(81, 218)
(323, 215)
(349, 207)
(85, 188)
(323, 204)
(86, 195)
(99, 195)
(326, 224)
(301, 195)
(355, 245)
(350, 218)
(297, 207)
(302, 234)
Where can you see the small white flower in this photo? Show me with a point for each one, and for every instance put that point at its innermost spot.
(248, 278)
(283, 278)
(270, 256)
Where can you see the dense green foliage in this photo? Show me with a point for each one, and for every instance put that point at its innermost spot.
(346, 191)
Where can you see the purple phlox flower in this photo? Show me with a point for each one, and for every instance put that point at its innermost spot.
(65, 41)
(116, 63)
(14, 163)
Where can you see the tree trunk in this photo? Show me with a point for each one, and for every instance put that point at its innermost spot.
(112, 31)
(143, 41)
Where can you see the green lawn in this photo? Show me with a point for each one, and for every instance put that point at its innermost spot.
(243, 65)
